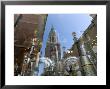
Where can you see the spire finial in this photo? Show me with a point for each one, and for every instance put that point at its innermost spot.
(52, 27)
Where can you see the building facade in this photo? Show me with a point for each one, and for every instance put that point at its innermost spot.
(28, 36)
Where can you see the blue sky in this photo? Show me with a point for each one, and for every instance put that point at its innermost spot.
(64, 25)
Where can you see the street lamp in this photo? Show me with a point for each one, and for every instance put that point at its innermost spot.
(68, 51)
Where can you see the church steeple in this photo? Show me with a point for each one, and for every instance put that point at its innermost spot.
(53, 50)
(52, 28)
(53, 36)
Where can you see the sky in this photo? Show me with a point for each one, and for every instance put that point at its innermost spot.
(65, 24)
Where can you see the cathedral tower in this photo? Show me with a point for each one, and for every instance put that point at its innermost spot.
(53, 50)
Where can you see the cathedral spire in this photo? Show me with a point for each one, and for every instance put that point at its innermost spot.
(52, 27)
(53, 50)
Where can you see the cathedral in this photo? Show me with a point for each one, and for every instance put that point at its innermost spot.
(53, 50)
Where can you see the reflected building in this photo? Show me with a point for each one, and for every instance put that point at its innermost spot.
(28, 36)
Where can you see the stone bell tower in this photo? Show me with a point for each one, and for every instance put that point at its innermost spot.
(53, 50)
